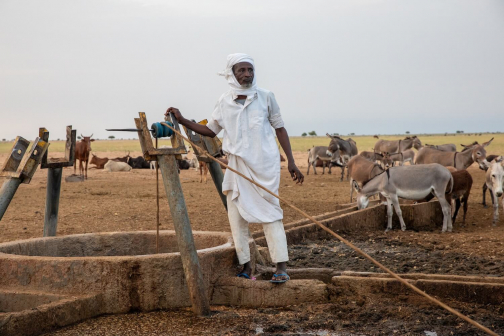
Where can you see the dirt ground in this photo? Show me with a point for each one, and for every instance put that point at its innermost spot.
(126, 202)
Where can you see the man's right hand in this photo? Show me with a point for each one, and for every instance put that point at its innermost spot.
(175, 112)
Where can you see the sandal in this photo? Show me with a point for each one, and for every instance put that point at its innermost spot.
(245, 275)
(276, 276)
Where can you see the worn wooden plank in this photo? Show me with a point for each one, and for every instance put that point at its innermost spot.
(17, 152)
(194, 277)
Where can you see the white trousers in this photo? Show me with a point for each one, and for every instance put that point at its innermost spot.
(274, 233)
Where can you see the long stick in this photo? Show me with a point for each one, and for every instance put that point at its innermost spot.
(358, 250)
(157, 203)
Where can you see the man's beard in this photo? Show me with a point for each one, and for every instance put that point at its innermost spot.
(246, 85)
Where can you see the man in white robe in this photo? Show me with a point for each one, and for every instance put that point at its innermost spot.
(248, 114)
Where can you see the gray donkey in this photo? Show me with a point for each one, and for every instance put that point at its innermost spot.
(494, 182)
(397, 146)
(317, 156)
(444, 148)
(460, 160)
(410, 182)
(341, 151)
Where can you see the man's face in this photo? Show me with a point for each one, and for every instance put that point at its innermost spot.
(244, 73)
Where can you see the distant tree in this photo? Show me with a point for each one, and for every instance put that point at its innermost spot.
(335, 134)
(312, 133)
(111, 137)
(58, 139)
(304, 134)
(446, 134)
(460, 132)
(4, 140)
(407, 132)
(351, 134)
(79, 137)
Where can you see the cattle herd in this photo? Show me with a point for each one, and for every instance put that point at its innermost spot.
(433, 171)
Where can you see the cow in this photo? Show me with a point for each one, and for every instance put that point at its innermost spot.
(114, 166)
(495, 182)
(98, 162)
(82, 150)
(460, 160)
(341, 151)
(317, 157)
(138, 163)
(122, 159)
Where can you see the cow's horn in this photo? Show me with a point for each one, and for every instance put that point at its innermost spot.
(91, 135)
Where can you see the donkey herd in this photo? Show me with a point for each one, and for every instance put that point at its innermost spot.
(434, 171)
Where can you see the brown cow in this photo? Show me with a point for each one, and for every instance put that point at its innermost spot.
(82, 149)
(99, 162)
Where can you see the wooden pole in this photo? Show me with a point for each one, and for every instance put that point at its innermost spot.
(7, 192)
(52, 201)
(194, 276)
(217, 177)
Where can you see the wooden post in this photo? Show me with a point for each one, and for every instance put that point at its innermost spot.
(194, 277)
(52, 201)
(7, 192)
(217, 177)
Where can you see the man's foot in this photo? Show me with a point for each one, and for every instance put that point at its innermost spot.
(246, 271)
(280, 278)
(280, 275)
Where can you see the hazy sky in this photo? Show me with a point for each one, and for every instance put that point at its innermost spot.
(365, 66)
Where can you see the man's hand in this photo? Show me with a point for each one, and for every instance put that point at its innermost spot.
(295, 173)
(175, 112)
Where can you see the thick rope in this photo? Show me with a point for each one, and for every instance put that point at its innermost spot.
(358, 250)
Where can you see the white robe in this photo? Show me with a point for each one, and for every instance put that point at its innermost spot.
(249, 142)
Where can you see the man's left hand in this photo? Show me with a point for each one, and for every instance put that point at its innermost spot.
(295, 173)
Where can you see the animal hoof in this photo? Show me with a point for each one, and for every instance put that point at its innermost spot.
(387, 230)
(403, 229)
(485, 206)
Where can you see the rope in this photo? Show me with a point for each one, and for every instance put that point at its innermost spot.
(348, 243)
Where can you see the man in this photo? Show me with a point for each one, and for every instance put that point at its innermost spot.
(247, 114)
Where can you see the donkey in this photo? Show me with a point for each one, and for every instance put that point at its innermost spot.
(397, 146)
(489, 159)
(459, 160)
(402, 158)
(494, 182)
(361, 170)
(444, 148)
(462, 184)
(317, 156)
(410, 182)
(384, 158)
(341, 151)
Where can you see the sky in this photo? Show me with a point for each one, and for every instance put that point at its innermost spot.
(356, 66)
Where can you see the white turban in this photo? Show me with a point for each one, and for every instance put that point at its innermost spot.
(231, 79)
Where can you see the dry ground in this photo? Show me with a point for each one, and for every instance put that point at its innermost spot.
(126, 201)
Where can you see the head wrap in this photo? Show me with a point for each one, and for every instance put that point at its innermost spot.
(237, 89)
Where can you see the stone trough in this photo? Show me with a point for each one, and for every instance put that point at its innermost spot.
(47, 283)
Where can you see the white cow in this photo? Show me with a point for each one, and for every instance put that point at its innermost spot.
(113, 166)
(495, 182)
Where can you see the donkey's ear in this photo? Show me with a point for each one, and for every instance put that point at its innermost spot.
(484, 144)
(329, 135)
(379, 155)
